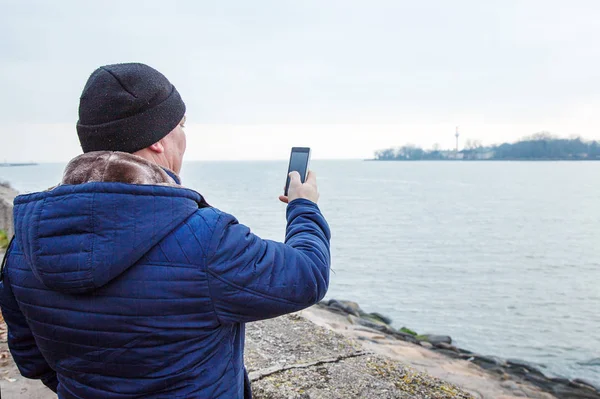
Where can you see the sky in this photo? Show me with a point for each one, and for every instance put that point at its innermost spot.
(343, 77)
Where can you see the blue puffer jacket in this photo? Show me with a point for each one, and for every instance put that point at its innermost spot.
(117, 290)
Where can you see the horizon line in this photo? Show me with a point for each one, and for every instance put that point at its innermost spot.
(39, 162)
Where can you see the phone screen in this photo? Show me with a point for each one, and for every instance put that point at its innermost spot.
(298, 163)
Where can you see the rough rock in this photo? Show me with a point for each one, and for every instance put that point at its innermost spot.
(436, 339)
(371, 324)
(487, 362)
(443, 345)
(290, 357)
(351, 309)
(426, 344)
(378, 317)
(348, 307)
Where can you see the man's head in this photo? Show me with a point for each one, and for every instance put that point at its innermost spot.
(133, 108)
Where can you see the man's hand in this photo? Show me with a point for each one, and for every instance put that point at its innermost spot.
(308, 190)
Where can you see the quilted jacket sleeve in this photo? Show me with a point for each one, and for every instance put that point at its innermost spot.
(21, 343)
(252, 279)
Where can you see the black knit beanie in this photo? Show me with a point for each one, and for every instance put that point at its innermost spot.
(127, 107)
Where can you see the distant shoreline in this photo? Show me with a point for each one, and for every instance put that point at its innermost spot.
(8, 165)
(487, 160)
(539, 147)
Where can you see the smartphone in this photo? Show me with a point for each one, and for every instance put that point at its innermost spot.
(299, 160)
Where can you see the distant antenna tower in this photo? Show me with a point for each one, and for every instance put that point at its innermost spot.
(457, 134)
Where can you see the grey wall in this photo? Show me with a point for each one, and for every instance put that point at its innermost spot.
(7, 196)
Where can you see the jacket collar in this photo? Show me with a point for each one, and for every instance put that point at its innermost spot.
(117, 167)
(172, 175)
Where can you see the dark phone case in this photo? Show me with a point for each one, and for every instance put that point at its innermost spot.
(303, 178)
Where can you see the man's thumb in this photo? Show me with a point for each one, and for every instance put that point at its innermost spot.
(295, 177)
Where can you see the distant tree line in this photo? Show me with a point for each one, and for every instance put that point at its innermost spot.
(540, 146)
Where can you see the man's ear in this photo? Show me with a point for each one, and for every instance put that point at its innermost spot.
(157, 147)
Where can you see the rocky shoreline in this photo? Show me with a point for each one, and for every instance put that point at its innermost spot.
(507, 370)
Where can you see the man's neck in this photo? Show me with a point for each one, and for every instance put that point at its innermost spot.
(160, 160)
(157, 158)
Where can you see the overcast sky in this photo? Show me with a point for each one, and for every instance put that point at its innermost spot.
(344, 77)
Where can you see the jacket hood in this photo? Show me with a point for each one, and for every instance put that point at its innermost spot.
(109, 211)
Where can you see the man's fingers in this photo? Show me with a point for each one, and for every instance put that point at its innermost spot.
(283, 199)
(308, 190)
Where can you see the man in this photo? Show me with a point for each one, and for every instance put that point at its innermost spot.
(121, 283)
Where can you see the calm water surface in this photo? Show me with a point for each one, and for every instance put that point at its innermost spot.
(504, 257)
